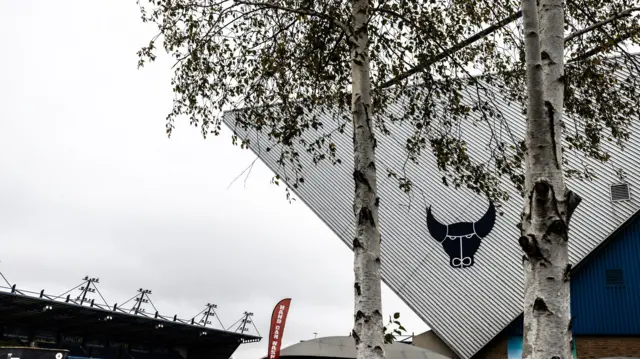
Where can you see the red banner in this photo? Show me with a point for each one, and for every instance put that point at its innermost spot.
(278, 320)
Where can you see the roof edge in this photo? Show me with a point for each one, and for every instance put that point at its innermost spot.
(96, 309)
(624, 225)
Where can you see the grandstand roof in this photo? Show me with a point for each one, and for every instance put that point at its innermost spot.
(465, 307)
(40, 311)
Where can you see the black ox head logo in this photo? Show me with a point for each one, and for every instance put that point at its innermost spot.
(461, 240)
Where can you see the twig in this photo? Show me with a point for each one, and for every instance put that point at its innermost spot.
(241, 173)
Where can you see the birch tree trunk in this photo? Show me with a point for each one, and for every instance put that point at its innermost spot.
(548, 204)
(368, 326)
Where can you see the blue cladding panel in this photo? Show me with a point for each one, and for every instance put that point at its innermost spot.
(609, 310)
(599, 309)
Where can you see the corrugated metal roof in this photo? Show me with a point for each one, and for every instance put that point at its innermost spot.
(465, 307)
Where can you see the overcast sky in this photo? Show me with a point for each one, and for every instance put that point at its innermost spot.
(90, 184)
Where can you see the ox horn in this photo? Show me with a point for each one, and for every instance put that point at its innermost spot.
(484, 226)
(437, 230)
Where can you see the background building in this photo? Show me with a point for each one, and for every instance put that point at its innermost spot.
(605, 306)
(344, 348)
(90, 329)
(471, 295)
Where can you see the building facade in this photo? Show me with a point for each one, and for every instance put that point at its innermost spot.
(451, 254)
(605, 306)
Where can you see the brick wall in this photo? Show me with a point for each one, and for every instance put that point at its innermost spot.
(602, 347)
(587, 347)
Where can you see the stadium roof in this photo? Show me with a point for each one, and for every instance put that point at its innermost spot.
(19, 308)
(345, 348)
(465, 307)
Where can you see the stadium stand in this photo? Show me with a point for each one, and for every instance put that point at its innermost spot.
(90, 330)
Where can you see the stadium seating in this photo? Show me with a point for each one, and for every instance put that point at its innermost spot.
(77, 351)
(7, 342)
(74, 349)
(48, 345)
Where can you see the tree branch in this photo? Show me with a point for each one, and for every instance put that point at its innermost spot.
(600, 24)
(308, 12)
(493, 28)
(614, 42)
(450, 51)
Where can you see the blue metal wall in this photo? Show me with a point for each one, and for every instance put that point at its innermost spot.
(613, 310)
(599, 309)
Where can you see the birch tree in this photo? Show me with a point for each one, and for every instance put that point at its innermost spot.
(548, 204)
(292, 67)
(285, 59)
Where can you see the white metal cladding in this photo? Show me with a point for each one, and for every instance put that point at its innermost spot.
(465, 307)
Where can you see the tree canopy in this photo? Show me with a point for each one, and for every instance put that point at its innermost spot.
(280, 62)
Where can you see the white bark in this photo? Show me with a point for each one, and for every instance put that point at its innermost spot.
(368, 327)
(548, 204)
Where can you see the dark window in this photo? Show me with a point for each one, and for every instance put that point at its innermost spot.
(614, 278)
